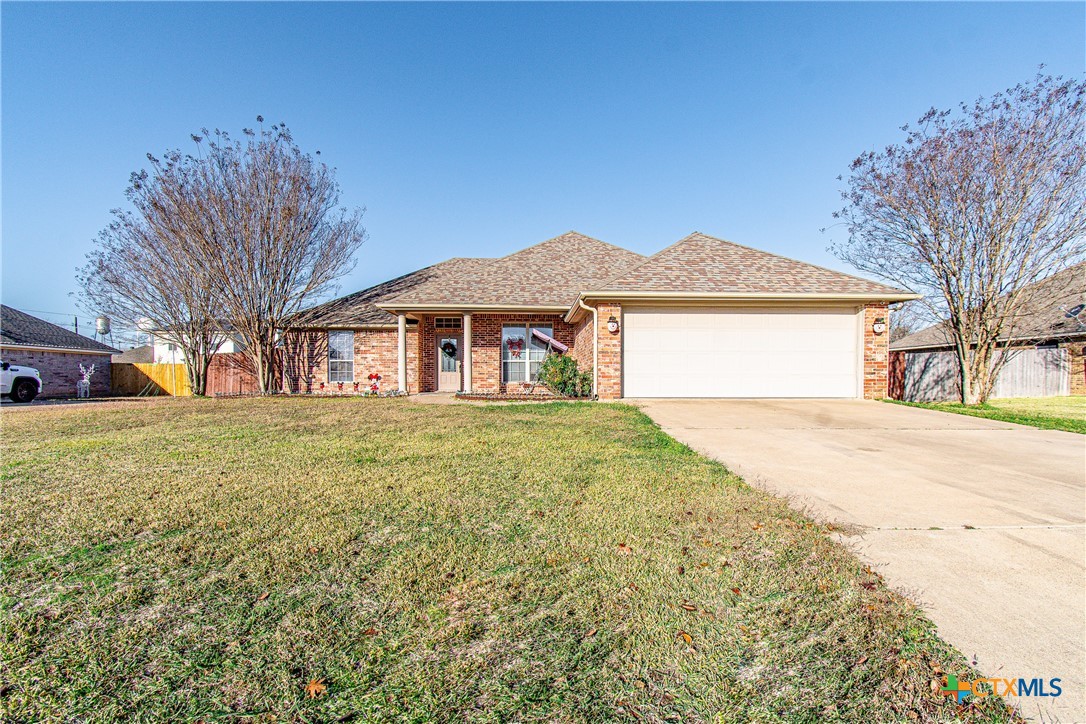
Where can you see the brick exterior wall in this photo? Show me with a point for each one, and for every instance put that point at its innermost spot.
(60, 370)
(1077, 361)
(426, 352)
(486, 344)
(876, 353)
(582, 343)
(609, 375)
(375, 350)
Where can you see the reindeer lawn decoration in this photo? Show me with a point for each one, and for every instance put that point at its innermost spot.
(82, 387)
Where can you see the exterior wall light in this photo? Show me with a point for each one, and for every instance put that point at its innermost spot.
(612, 324)
(879, 326)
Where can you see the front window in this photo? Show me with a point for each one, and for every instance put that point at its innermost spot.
(522, 352)
(341, 356)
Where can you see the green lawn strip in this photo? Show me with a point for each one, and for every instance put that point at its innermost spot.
(1022, 412)
(206, 559)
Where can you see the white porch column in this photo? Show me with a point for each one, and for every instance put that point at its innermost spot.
(467, 353)
(401, 349)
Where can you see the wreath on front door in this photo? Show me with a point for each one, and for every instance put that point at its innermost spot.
(515, 345)
(449, 349)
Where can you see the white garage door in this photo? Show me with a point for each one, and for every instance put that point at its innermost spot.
(689, 352)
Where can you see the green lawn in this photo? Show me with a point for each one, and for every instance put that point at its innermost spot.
(1048, 413)
(207, 559)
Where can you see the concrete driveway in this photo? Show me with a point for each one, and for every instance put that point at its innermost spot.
(980, 522)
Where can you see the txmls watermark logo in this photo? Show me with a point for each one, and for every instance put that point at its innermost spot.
(961, 690)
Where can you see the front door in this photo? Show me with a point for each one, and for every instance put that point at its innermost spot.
(448, 363)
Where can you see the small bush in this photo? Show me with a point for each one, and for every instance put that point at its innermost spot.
(560, 374)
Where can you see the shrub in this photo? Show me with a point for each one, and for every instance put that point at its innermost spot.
(560, 374)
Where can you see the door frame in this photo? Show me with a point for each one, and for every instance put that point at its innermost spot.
(458, 335)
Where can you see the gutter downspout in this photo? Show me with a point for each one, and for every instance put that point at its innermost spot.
(595, 344)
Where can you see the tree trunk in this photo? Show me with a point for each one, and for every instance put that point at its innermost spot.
(198, 375)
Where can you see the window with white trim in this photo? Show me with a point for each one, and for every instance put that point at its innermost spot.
(341, 356)
(521, 352)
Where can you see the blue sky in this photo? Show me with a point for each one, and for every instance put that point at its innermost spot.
(476, 130)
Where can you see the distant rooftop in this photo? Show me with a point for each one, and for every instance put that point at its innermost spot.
(21, 329)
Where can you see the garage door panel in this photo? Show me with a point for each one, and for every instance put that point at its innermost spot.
(692, 352)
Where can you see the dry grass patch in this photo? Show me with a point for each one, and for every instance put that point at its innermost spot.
(202, 559)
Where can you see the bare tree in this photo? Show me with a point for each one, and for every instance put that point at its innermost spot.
(264, 220)
(906, 318)
(973, 209)
(143, 274)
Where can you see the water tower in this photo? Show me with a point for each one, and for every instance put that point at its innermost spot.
(103, 328)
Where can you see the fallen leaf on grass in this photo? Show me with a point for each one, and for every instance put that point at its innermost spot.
(682, 570)
(735, 591)
(688, 607)
(685, 637)
(591, 633)
(371, 631)
(860, 661)
(315, 688)
(624, 549)
(263, 596)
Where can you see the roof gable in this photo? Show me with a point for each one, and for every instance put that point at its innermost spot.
(700, 263)
(20, 328)
(548, 274)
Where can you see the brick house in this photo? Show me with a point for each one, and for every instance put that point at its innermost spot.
(1047, 343)
(701, 318)
(55, 352)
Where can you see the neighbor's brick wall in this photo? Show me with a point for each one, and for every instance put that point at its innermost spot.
(609, 380)
(876, 353)
(60, 370)
(375, 350)
(486, 342)
(1077, 361)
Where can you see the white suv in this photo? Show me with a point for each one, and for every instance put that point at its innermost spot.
(21, 384)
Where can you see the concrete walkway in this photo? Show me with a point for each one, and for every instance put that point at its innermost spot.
(980, 522)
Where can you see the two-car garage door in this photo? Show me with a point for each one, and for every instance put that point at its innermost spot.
(740, 352)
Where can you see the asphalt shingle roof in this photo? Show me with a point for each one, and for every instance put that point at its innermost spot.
(144, 354)
(702, 263)
(549, 274)
(360, 310)
(553, 273)
(1043, 317)
(20, 328)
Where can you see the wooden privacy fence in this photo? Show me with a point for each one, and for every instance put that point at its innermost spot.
(149, 379)
(228, 374)
(231, 374)
(933, 376)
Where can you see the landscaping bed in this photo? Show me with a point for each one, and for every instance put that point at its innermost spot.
(272, 559)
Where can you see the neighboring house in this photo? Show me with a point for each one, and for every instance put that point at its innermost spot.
(136, 355)
(167, 351)
(702, 318)
(1046, 343)
(55, 352)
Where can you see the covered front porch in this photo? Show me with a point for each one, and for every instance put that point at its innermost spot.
(478, 351)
